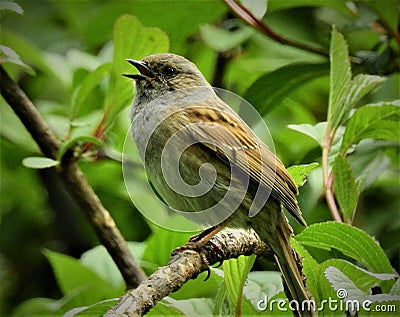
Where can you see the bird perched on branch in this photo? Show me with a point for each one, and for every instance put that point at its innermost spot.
(203, 159)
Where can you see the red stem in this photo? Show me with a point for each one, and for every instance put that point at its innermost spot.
(328, 177)
(258, 24)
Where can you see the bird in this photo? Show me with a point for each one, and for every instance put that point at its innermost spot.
(201, 156)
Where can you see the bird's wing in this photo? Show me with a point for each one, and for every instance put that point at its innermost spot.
(233, 140)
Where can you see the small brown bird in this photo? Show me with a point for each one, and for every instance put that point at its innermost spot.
(200, 155)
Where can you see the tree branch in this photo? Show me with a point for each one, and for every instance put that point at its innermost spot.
(186, 265)
(258, 24)
(74, 180)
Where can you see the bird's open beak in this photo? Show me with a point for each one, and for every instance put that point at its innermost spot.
(142, 67)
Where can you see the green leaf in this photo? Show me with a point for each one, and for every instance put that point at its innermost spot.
(77, 59)
(348, 290)
(357, 281)
(163, 308)
(30, 53)
(37, 162)
(388, 11)
(12, 130)
(316, 132)
(396, 288)
(256, 7)
(340, 77)
(8, 55)
(98, 309)
(70, 274)
(12, 6)
(87, 86)
(359, 87)
(261, 285)
(369, 161)
(220, 308)
(89, 121)
(160, 245)
(362, 278)
(269, 90)
(58, 63)
(100, 262)
(222, 40)
(311, 269)
(195, 307)
(75, 278)
(349, 240)
(199, 288)
(179, 29)
(38, 307)
(380, 121)
(319, 286)
(276, 5)
(344, 187)
(300, 172)
(248, 308)
(131, 40)
(78, 140)
(235, 273)
(79, 284)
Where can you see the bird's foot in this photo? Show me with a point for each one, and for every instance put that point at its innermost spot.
(201, 239)
(197, 242)
(195, 246)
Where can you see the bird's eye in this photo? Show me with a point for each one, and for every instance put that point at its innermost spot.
(169, 71)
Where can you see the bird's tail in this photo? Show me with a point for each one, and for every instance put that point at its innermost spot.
(289, 263)
(276, 233)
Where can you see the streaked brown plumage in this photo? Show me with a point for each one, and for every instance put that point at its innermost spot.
(217, 135)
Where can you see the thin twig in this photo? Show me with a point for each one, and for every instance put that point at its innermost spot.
(383, 23)
(393, 33)
(331, 199)
(74, 180)
(258, 24)
(186, 265)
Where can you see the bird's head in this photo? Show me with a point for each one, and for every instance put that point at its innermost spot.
(163, 73)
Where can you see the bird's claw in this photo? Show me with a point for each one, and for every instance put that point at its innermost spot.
(197, 246)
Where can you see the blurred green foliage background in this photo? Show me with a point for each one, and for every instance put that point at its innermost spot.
(64, 41)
